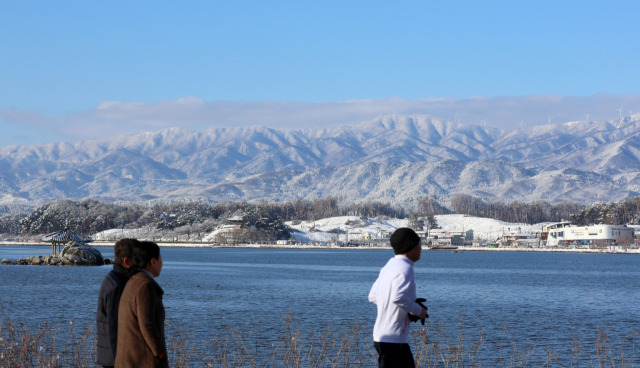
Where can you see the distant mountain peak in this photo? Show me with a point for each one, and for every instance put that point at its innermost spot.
(394, 158)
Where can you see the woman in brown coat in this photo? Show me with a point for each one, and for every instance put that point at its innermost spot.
(141, 340)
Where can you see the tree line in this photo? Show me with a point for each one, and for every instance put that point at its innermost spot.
(267, 220)
(612, 213)
(261, 221)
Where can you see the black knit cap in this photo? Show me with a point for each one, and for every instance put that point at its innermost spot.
(403, 240)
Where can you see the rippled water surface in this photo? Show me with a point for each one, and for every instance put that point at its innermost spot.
(542, 299)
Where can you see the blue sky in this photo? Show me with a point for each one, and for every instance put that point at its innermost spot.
(75, 70)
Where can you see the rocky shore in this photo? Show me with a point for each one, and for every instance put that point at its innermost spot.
(73, 254)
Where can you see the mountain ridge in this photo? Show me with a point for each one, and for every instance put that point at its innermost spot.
(393, 158)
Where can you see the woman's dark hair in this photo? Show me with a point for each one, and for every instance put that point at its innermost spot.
(141, 255)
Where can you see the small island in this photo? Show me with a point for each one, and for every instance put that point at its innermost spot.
(67, 249)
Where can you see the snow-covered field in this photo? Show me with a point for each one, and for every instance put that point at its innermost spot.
(352, 228)
(483, 228)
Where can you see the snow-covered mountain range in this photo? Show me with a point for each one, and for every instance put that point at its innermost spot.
(397, 159)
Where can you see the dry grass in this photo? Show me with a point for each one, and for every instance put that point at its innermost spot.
(327, 347)
(46, 347)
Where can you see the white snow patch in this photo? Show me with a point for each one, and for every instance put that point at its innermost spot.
(484, 228)
(357, 228)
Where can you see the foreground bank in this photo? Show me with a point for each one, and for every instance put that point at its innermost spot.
(349, 346)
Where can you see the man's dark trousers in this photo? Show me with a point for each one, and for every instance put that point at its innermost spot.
(392, 355)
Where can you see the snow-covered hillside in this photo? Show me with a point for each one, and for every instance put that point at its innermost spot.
(351, 227)
(392, 159)
(319, 231)
(483, 228)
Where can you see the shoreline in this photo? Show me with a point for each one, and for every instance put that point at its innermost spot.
(609, 250)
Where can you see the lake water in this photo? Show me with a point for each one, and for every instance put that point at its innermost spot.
(535, 299)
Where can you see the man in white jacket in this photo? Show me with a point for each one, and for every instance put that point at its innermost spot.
(394, 293)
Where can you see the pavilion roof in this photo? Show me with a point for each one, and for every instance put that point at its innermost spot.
(65, 236)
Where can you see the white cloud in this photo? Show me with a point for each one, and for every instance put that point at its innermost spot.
(114, 118)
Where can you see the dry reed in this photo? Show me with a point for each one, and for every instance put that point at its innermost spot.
(328, 347)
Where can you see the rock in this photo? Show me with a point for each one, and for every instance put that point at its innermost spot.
(51, 260)
(73, 254)
(85, 254)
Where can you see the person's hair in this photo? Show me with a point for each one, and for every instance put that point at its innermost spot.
(403, 240)
(141, 255)
(123, 249)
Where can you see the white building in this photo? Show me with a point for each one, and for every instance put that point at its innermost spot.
(519, 239)
(441, 237)
(565, 233)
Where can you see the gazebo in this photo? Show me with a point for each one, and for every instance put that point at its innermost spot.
(61, 238)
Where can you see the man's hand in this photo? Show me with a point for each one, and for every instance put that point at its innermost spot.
(423, 315)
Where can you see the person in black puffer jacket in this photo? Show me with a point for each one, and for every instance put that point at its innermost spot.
(108, 302)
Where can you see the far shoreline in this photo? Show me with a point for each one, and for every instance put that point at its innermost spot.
(608, 250)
